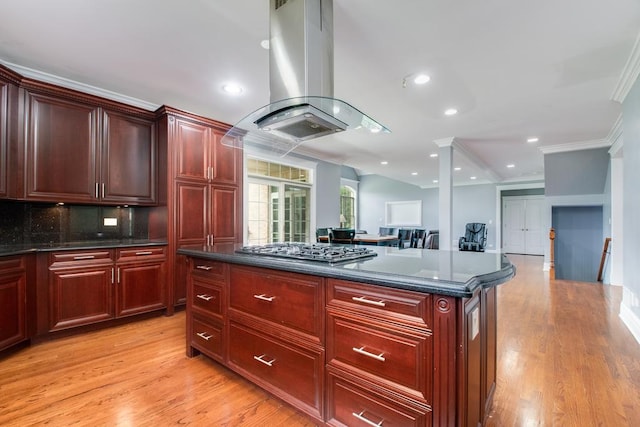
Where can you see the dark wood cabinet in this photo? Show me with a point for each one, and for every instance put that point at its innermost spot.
(204, 189)
(92, 286)
(10, 163)
(81, 152)
(129, 160)
(13, 295)
(140, 280)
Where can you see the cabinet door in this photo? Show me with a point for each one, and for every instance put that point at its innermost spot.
(80, 296)
(226, 162)
(128, 162)
(225, 218)
(192, 150)
(140, 288)
(4, 130)
(61, 150)
(12, 302)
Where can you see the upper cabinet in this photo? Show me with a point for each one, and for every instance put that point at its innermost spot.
(83, 152)
(201, 155)
(8, 128)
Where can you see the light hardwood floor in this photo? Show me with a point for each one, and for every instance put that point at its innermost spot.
(564, 359)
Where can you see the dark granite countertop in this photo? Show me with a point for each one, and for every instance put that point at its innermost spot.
(19, 249)
(450, 273)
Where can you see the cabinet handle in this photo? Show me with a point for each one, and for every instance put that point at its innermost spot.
(203, 267)
(368, 301)
(97, 194)
(144, 253)
(263, 297)
(103, 190)
(366, 420)
(112, 281)
(118, 274)
(80, 257)
(205, 297)
(266, 362)
(364, 352)
(204, 336)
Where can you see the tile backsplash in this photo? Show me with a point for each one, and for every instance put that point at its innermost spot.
(26, 223)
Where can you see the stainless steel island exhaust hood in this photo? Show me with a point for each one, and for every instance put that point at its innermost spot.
(301, 83)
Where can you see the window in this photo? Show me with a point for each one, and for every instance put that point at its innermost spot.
(278, 202)
(347, 207)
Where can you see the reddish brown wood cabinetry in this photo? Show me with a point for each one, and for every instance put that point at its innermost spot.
(204, 187)
(87, 286)
(10, 162)
(84, 153)
(347, 353)
(13, 295)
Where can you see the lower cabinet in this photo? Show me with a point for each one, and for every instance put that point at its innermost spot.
(86, 287)
(13, 282)
(347, 353)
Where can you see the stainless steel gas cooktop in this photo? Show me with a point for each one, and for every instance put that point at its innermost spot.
(310, 251)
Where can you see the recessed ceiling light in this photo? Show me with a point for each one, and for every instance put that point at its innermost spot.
(384, 162)
(457, 169)
(421, 79)
(414, 173)
(473, 177)
(451, 112)
(232, 88)
(433, 155)
(532, 139)
(435, 181)
(265, 44)
(511, 166)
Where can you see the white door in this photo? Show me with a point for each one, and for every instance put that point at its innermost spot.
(534, 234)
(523, 231)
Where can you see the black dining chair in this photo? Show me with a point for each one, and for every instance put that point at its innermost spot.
(342, 235)
(433, 240)
(404, 238)
(418, 238)
(386, 231)
(322, 232)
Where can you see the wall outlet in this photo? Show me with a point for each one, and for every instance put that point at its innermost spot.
(110, 222)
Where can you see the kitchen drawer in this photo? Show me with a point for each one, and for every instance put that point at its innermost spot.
(141, 253)
(291, 372)
(377, 301)
(65, 259)
(207, 298)
(398, 358)
(356, 406)
(212, 269)
(287, 299)
(207, 337)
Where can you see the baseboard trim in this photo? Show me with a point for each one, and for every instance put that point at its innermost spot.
(631, 321)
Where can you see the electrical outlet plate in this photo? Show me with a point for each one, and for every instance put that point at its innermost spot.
(110, 222)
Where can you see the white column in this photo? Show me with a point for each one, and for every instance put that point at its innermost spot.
(617, 194)
(445, 193)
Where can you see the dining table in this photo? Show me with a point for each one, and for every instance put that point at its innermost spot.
(368, 239)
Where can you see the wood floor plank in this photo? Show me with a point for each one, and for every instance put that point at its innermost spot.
(564, 359)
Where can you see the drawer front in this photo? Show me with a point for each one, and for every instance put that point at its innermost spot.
(212, 269)
(207, 298)
(288, 371)
(141, 253)
(80, 258)
(379, 301)
(355, 406)
(291, 300)
(398, 358)
(207, 337)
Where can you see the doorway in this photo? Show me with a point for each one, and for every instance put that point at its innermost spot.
(578, 242)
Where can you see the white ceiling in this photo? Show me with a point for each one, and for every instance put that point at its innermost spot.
(513, 69)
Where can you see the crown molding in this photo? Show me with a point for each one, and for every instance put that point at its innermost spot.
(616, 139)
(475, 160)
(575, 146)
(629, 74)
(81, 87)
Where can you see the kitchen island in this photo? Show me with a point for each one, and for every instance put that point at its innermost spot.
(398, 337)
